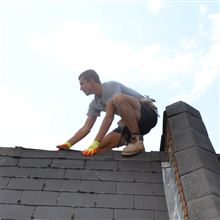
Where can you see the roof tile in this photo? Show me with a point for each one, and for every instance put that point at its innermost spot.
(150, 202)
(39, 198)
(101, 165)
(115, 201)
(62, 185)
(48, 173)
(65, 163)
(93, 213)
(25, 184)
(82, 174)
(8, 161)
(148, 177)
(134, 188)
(4, 182)
(16, 211)
(64, 213)
(15, 172)
(34, 162)
(10, 196)
(97, 187)
(140, 166)
(122, 214)
(161, 215)
(76, 199)
(117, 176)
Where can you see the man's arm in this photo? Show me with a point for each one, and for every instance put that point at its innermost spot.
(80, 134)
(107, 121)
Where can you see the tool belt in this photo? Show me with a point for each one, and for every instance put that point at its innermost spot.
(149, 102)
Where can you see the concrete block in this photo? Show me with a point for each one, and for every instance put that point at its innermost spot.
(200, 183)
(195, 158)
(204, 208)
(184, 120)
(190, 137)
(179, 107)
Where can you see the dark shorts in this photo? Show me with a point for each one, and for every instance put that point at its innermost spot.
(147, 121)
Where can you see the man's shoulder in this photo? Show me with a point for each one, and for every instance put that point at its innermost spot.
(111, 81)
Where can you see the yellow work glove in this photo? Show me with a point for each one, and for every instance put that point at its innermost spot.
(92, 149)
(66, 146)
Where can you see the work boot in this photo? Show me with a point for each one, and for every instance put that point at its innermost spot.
(135, 146)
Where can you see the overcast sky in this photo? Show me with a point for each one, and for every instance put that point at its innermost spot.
(166, 49)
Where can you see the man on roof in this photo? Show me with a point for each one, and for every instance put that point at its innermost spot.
(138, 116)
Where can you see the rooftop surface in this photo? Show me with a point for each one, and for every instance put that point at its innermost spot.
(38, 184)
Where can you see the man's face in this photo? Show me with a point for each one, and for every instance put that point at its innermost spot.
(86, 86)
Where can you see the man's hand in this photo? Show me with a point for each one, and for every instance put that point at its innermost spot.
(66, 146)
(92, 149)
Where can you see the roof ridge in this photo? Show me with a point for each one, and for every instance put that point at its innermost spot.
(22, 152)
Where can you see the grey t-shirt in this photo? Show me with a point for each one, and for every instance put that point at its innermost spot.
(109, 89)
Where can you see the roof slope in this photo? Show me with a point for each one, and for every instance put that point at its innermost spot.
(42, 184)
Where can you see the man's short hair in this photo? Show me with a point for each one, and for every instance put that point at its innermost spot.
(90, 75)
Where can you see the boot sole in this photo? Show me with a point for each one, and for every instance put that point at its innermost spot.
(132, 153)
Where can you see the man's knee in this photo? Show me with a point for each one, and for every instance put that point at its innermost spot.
(121, 100)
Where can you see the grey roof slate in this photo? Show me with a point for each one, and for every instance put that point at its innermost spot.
(39, 184)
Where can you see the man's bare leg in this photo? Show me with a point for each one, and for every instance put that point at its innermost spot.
(111, 140)
(129, 110)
